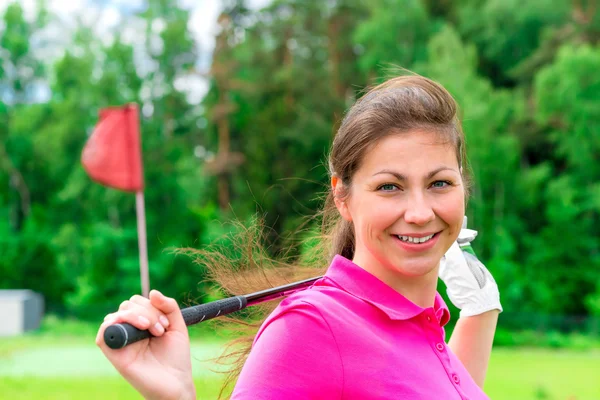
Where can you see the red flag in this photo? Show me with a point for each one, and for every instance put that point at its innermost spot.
(112, 155)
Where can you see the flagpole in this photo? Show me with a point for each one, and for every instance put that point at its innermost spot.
(142, 243)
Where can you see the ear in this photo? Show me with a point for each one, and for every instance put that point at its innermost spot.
(342, 206)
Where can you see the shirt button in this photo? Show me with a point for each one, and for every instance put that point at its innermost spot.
(456, 379)
(429, 318)
(440, 347)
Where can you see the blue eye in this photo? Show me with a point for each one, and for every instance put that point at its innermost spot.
(440, 184)
(387, 187)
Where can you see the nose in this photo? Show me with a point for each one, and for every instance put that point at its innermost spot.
(418, 210)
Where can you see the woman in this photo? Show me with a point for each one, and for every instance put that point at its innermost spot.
(372, 327)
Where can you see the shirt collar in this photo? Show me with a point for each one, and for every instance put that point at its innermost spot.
(355, 280)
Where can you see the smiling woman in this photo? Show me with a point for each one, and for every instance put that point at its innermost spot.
(406, 204)
(373, 326)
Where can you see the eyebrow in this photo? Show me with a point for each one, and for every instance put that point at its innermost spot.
(401, 177)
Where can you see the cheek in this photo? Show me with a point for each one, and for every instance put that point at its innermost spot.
(452, 209)
(383, 216)
(375, 218)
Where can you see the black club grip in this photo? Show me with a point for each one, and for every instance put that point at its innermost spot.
(120, 335)
(195, 314)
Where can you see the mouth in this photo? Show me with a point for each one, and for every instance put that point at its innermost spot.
(416, 239)
(417, 242)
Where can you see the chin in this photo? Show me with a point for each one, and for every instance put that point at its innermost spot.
(416, 269)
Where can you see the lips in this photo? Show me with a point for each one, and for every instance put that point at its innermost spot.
(413, 242)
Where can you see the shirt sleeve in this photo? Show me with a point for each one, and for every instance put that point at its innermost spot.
(294, 356)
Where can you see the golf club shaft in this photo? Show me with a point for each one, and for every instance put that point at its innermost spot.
(120, 335)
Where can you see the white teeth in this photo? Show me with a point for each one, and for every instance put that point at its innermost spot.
(411, 239)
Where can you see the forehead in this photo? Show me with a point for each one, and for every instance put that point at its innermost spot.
(406, 151)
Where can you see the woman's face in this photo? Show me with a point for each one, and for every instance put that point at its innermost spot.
(406, 202)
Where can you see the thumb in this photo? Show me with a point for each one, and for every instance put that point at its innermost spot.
(451, 262)
(170, 308)
(454, 253)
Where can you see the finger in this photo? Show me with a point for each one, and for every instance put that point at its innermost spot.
(138, 302)
(146, 313)
(125, 305)
(171, 309)
(141, 300)
(466, 235)
(140, 317)
(145, 302)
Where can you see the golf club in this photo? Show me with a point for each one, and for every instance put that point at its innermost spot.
(120, 335)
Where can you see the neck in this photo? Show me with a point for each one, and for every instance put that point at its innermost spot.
(420, 290)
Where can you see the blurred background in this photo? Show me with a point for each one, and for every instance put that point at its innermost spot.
(239, 102)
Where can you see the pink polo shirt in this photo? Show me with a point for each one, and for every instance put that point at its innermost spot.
(351, 336)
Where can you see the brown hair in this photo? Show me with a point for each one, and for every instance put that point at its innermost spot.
(400, 104)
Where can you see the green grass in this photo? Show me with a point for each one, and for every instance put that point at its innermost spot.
(543, 374)
(514, 374)
(88, 388)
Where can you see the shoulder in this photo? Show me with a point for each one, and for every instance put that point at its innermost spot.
(300, 313)
(318, 296)
(294, 355)
(314, 306)
(324, 295)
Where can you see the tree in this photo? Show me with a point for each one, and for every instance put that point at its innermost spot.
(566, 95)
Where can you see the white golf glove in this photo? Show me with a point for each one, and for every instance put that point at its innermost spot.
(469, 284)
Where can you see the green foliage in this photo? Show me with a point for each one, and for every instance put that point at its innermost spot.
(508, 33)
(524, 74)
(78, 242)
(404, 42)
(549, 339)
(566, 96)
